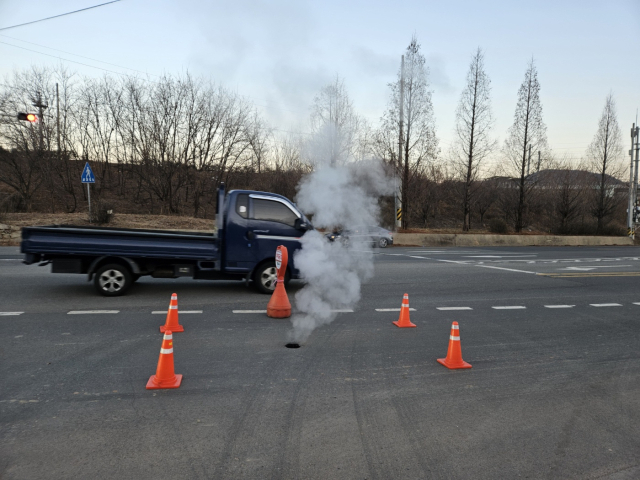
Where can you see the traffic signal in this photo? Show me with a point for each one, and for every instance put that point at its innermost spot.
(29, 117)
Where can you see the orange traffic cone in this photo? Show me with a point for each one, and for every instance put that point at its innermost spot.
(279, 305)
(172, 317)
(454, 355)
(165, 376)
(404, 321)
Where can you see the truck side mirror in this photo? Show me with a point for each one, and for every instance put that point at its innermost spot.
(301, 225)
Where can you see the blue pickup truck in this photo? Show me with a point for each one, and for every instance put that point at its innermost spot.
(250, 226)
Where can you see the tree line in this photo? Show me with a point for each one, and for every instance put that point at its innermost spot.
(163, 146)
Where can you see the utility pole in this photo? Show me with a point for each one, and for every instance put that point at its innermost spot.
(41, 107)
(58, 119)
(539, 162)
(400, 144)
(635, 178)
(632, 187)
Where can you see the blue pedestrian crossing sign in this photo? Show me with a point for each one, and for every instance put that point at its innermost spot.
(87, 174)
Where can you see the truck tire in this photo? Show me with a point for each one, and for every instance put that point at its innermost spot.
(112, 280)
(265, 275)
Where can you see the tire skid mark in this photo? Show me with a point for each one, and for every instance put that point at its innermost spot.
(288, 465)
(239, 427)
(363, 419)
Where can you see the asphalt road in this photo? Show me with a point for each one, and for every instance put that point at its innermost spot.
(553, 335)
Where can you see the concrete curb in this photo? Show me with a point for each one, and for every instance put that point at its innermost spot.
(480, 240)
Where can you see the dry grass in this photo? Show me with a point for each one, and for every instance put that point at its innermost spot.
(118, 220)
(156, 222)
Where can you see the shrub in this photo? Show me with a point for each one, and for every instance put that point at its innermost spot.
(498, 225)
(101, 212)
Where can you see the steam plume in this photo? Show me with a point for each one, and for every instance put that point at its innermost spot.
(343, 195)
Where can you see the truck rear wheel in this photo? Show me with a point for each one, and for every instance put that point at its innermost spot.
(112, 280)
(265, 275)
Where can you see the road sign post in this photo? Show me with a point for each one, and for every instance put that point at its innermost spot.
(88, 178)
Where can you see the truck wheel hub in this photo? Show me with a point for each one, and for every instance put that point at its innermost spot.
(269, 277)
(111, 280)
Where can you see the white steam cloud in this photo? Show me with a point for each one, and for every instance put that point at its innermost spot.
(338, 196)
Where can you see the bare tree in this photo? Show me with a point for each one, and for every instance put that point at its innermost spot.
(528, 133)
(605, 155)
(474, 121)
(335, 125)
(420, 145)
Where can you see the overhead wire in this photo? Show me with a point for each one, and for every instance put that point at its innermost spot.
(74, 54)
(57, 16)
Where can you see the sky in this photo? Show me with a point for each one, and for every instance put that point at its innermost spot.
(278, 54)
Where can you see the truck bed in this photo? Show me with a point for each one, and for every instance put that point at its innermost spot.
(129, 242)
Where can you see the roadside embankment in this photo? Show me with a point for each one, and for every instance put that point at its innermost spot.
(488, 240)
(9, 234)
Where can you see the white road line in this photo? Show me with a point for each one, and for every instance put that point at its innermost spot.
(158, 312)
(454, 308)
(512, 307)
(90, 312)
(9, 314)
(339, 310)
(392, 309)
(508, 269)
(636, 303)
(603, 266)
(415, 256)
(605, 304)
(453, 261)
(559, 306)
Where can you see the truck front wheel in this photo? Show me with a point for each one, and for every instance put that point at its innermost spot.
(264, 277)
(112, 280)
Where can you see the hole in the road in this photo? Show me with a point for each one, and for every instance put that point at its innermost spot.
(292, 345)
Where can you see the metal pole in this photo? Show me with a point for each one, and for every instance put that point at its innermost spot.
(58, 119)
(89, 198)
(632, 189)
(400, 143)
(635, 178)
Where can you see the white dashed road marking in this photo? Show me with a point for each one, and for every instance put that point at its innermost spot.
(90, 312)
(392, 309)
(454, 308)
(158, 312)
(513, 307)
(605, 304)
(415, 256)
(559, 306)
(249, 311)
(508, 269)
(10, 314)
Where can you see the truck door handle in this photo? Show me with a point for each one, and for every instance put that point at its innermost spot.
(251, 235)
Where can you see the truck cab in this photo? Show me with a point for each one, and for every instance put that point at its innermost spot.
(256, 224)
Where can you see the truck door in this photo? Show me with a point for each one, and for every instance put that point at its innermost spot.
(240, 251)
(272, 221)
